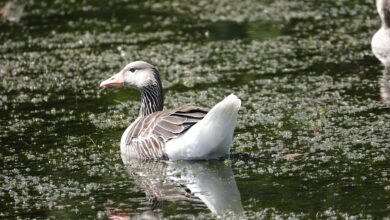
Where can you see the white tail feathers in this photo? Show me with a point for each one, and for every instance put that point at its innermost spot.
(211, 137)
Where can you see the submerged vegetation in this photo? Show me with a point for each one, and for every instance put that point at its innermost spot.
(313, 136)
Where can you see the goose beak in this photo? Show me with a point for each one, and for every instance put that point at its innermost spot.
(115, 81)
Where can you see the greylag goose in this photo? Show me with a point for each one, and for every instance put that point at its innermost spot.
(380, 43)
(187, 133)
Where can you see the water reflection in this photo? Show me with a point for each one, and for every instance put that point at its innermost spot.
(384, 86)
(208, 184)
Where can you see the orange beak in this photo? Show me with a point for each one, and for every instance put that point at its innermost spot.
(115, 81)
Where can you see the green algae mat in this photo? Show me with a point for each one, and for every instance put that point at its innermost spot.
(313, 133)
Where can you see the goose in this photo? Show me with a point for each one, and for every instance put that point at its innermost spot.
(186, 133)
(380, 43)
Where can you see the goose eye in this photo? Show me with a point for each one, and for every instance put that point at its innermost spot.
(132, 70)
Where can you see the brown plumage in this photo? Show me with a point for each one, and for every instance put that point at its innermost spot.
(149, 134)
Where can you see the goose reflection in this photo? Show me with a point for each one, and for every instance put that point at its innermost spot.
(384, 86)
(208, 184)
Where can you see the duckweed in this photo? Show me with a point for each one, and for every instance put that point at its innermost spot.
(313, 133)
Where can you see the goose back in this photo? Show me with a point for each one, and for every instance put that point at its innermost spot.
(147, 136)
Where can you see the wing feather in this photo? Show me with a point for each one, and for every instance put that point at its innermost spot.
(150, 133)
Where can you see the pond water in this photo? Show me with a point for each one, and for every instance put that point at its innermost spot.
(313, 134)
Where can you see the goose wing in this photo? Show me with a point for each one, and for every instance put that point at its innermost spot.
(148, 135)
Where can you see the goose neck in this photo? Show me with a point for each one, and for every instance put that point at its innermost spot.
(152, 99)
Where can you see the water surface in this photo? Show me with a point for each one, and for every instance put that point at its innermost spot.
(313, 134)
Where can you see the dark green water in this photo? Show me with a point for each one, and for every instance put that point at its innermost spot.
(304, 71)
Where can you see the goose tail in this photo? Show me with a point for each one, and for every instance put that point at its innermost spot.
(211, 137)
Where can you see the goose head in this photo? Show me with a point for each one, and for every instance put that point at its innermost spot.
(383, 7)
(137, 75)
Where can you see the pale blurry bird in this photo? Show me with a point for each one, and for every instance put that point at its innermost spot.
(380, 43)
(12, 11)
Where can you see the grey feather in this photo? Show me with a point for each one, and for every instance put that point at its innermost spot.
(149, 134)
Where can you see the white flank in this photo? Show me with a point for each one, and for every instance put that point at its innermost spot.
(125, 148)
(211, 137)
